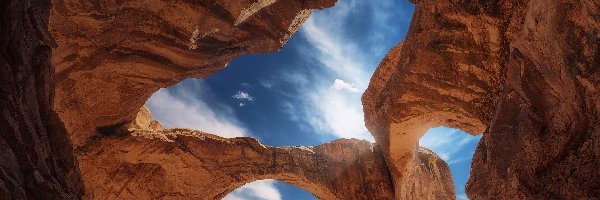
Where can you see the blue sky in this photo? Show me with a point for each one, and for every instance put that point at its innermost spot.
(306, 94)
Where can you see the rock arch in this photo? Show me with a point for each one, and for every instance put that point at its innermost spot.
(524, 72)
(124, 52)
(155, 163)
(504, 68)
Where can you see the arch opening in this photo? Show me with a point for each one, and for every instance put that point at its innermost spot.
(269, 189)
(456, 148)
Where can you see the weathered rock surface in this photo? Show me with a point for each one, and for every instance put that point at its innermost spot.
(188, 164)
(112, 55)
(525, 73)
(36, 157)
(144, 161)
(426, 177)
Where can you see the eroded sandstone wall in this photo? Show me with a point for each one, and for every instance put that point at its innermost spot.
(523, 73)
(112, 55)
(36, 158)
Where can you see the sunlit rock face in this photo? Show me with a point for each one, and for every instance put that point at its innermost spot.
(153, 163)
(523, 73)
(112, 55)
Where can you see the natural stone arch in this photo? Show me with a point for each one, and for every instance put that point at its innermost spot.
(443, 74)
(505, 68)
(149, 162)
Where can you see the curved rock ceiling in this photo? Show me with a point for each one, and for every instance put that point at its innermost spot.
(522, 72)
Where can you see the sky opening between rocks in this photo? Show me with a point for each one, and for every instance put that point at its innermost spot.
(306, 94)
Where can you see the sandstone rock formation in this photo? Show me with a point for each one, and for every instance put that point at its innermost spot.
(112, 56)
(426, 177)
(36, 158)
(188, 164)
(525, 73)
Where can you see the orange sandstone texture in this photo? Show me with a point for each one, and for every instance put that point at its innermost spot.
(523, 73)
(151, 163)
(112, 56)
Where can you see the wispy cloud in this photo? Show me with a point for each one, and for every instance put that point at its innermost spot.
(448, 143)
(343, 85)
(257, 190)
(178, 107)
(334, 55)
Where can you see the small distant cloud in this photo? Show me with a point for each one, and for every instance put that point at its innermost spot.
(339, 84)
(257, 190)
(243, 96)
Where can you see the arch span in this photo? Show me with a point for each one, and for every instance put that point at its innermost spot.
(150, 162)
(504, 68)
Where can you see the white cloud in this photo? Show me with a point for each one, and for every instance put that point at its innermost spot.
(447, 143)
(339, 84)
(177, 107)
(257, 190)
(335, 109)
(243, 96)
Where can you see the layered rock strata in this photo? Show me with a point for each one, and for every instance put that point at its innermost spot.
(36, 158)
(112, 56)
(523, 73)
(147, 162)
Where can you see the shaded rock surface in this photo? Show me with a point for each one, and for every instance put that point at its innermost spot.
(523, 73)
(36, 157)
(112, 56)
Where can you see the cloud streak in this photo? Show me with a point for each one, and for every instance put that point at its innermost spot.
(177, 107)
(335, 58)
